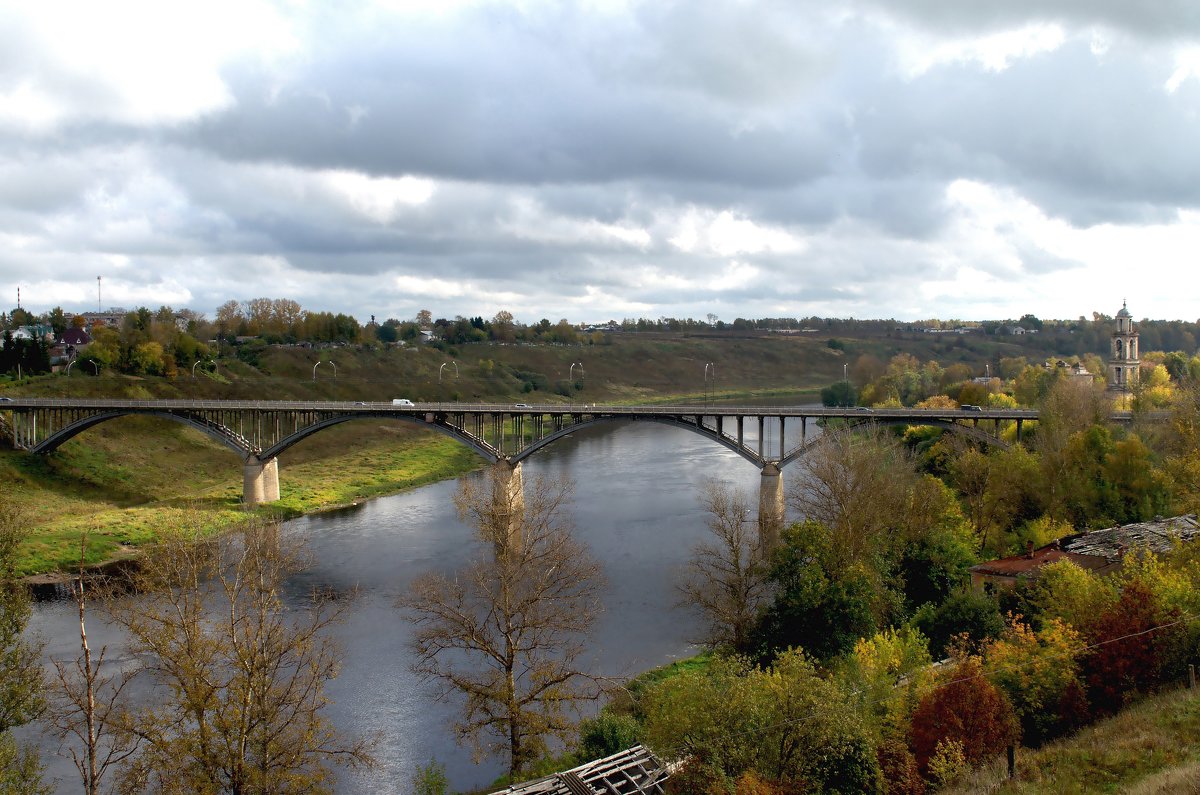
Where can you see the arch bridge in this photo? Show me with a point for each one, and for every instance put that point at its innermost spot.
(259, 431)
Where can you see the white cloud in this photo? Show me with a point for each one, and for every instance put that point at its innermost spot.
(379, 198)
(919, 53)
(727, 234)
(1187, 66)
(136, 61)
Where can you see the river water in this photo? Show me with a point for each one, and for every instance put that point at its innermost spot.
(636, 504)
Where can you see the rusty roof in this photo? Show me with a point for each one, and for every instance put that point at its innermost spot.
(1098, 550)
(1026, 565)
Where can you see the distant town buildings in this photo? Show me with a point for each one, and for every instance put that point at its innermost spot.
(113, 318)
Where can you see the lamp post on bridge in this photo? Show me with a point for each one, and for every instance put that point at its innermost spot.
(315, 366)
(334, 366)
(710, 366)
(453, 364)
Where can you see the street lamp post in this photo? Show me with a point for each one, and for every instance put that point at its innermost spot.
(315, 366)
(70, 364)
(710, 366)
(194, 369)
(334, 366)
(571, 372)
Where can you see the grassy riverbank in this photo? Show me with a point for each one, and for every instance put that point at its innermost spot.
(123, 494)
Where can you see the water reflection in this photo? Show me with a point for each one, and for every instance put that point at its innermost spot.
(636, 505)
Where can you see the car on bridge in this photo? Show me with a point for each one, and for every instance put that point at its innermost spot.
(970, 407)
(402, 402)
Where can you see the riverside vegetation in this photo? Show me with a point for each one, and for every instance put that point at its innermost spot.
(830, 686)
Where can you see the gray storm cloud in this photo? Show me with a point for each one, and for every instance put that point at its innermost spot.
(658, 158)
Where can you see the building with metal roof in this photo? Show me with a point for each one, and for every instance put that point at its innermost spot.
(630, 772)
(1097, 551)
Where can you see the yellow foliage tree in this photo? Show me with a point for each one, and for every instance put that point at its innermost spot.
(1035, 669)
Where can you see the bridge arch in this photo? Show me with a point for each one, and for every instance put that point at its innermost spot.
(702, 430)
(218, 432)
(484, 450)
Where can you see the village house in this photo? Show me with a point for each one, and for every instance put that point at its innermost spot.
(1097, 551)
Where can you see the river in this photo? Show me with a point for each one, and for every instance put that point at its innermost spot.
(636, 504)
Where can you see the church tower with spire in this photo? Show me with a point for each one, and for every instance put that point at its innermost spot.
(1124, 366)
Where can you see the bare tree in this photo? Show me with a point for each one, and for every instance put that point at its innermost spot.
(21, 682)
(505, 633)
(726, 578)
(242, 679)
(87, 702)
(855, 482)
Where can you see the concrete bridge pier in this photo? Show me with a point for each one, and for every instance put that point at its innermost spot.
(770, 507)
(508, 502)
(260, 481)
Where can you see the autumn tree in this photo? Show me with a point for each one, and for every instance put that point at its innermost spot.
(997, 489)
(503, 326)
(1038, 670)
(886, 675)
(966, 709)
(818, 604)
(230, 319)
(787, 723)
(506, 632)
(1182, 447)
(87, 704)
(20, 669)
(243, 677)
(855, 482)
(1132, 643)
(1069, 445)
(726, 577)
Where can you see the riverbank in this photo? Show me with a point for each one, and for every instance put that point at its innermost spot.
(126, 481)
(122, 496)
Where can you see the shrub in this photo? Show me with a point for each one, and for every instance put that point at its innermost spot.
(606, 734)
(965, 708)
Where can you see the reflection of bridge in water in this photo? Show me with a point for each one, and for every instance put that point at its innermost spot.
(258, 431)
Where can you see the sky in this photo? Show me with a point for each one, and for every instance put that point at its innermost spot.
(907, 159)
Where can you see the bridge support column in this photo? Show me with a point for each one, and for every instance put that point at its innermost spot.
(770, 507)
(508, 503)
(260, 481)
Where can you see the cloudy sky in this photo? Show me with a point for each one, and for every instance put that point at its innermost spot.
(597, 160)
